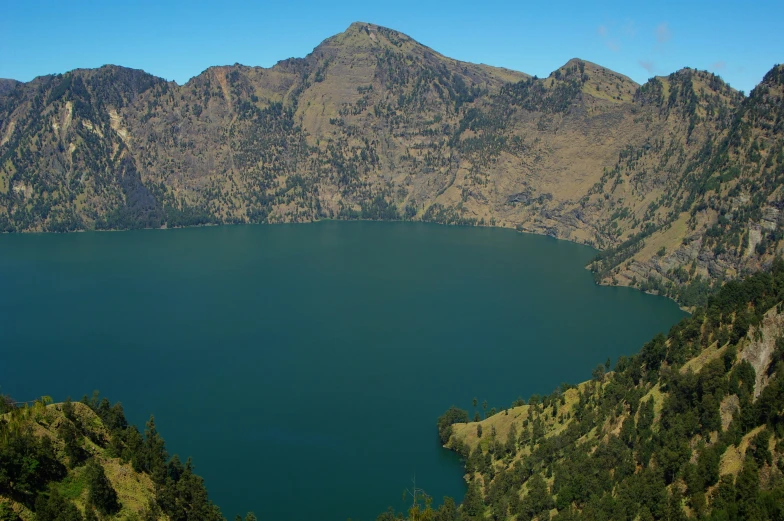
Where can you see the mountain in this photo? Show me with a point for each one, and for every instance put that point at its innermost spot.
(7, 86)
(720, 216)
(676, 181)
(692, 427)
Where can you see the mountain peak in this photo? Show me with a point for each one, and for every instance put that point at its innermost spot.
(595, 80)
(369, 29)
(775, 76)
(365, 27)
(589, 67)
(368, 35)
(575, 61)
(362, 43)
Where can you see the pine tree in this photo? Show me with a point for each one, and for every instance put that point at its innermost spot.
(101, 493)
(155, 452)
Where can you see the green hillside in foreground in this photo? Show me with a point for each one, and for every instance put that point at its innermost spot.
(81, 461)
(691, 427)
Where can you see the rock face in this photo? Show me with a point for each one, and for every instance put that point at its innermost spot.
(759, 352)
(374, 125)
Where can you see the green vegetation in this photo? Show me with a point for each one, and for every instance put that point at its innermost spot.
(83, 461)
(102, 496)
(682, 430)
(449, 418)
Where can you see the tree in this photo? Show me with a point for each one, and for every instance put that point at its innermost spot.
(7, 514)
(472, 502)
(538, 499)
(101, 493)
(478, 430)
(54, 507)
(27, 463)
(759, 445)
(747, 490)
(450, 417)
(6, 403)
(674, 507)
(73, 448)
(710, 418)
(708, 461)
(511, 439)
(155, 451)
(447, 511)
(598, 373)
(68, 409)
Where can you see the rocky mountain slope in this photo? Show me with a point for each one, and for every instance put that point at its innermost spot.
(677, 181)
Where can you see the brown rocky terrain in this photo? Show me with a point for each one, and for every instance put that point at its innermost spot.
(677, 181)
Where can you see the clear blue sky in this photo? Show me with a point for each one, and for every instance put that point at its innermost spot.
(179, 39)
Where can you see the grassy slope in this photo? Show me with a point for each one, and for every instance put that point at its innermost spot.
(134, 489)
(79, 456)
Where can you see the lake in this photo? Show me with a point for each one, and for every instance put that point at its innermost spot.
(303, 366)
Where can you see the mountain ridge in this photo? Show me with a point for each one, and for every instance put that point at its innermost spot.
(374, 125)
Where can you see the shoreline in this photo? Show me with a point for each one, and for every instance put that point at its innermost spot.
(328, 219)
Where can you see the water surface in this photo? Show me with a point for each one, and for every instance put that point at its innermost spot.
(303, 366)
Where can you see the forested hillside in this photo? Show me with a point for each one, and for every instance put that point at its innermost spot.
(691, 427)
(82, 461)
(678, 181)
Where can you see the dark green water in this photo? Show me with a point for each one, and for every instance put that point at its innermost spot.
(303, 366)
